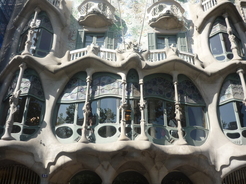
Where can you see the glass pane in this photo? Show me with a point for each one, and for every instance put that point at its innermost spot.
(108, 110)
(198, 135)
(242, 113)
(34, 112)
(107, 131)
(20, 109)
(160, 42)
(64, 132)
(65, 114)
(80, 118)
(157, 132)
(88, 40)
(155, 111)
(172, 40)
(196, 116)
(100, 40)
(227, 117)
(215, 45)
(170, 110)
(132, 113)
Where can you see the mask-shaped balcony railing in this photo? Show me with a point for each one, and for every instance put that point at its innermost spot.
(166, 16)
(55, 3)
(111, 55)
(209, 4)
(102, 10)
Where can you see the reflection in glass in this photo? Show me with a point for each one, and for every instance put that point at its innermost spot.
(196, 116)
(227, 116)
(155, 112)
(108, 110)
(198, 135)
(242, 113)
(215, 44)
(34, 112)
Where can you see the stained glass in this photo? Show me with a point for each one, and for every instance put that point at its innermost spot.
(75, 88)
(106, 84)
(159, 86)
(231, 89)
(188, 92)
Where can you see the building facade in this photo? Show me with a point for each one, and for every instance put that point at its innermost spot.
(134, 91)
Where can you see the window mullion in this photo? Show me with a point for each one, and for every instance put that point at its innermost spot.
(236, 114)
(75, 113)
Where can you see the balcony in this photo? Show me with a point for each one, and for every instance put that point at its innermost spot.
(166, 15)
(96, 14)
(111, 55)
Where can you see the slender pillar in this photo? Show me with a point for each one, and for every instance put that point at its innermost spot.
(142, 104)
(13, 103)
(30, 34)
(240, 72)
(178, 112)
(234, 44)
(123, 108)
(86, 110)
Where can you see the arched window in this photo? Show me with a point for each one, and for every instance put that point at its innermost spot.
(231, 109)
(159, 94)
(86, 177)
(42, 39)
(30, 110)
(161, 117)
(70, 116)
(220, 44)
(194, 119)
(106, 92)
(130, 177)
(176, 177)
(11, 172)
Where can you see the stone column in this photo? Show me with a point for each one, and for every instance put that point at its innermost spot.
(234, 44)
(240, 72)
(13, 103)
(86, 110)
(142, 104)
(178, 112)
(123, 107)
(30, 34)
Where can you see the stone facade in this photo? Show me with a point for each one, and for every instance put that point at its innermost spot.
(112, 87)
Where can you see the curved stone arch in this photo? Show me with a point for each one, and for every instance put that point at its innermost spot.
(135, 166)
(31, 104)
(58, 22)
(226, 7)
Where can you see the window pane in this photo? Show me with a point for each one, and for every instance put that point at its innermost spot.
(170, 110)
(80, 117)
(172, 40)
(133, 114)
(155, 111)
(45, 40)
(196, 116)
(66, 114)
(160, 42)
(242, 113)
(88, 40)
(34, 112)
(215, 45)
(227, 116)
(20, 109)
(100, 40)
(108, 110)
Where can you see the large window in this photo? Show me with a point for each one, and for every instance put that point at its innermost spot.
(84, 39)
(70, 115)
(42, 38)
(232, 110)
(161, 41)
(220, 44)
(30, 109)
(161, 117)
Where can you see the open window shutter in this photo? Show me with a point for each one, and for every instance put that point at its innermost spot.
(80, 39)
(152, 41)
(182, 42)
(109, 40)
